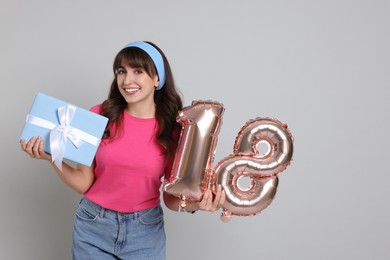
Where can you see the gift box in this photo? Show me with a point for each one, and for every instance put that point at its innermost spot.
(69, 132)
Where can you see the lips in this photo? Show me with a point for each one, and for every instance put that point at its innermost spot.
(131, 90)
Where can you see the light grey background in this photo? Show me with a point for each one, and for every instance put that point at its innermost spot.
(320, 66)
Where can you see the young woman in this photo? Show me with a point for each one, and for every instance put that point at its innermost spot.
(119, 215)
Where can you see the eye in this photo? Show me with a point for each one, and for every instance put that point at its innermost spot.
(138, 71)
(120, 71)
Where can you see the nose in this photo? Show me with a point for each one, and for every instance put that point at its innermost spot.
(129, 78)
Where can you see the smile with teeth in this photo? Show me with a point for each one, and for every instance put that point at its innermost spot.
(131, 90)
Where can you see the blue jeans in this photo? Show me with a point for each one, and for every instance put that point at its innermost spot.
(105, 234)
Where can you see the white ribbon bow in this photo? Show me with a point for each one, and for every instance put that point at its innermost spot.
(59, 134)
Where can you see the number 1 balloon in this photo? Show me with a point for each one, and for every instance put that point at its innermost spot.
(191, 168)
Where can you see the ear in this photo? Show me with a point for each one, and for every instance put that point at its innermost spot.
(156, 82)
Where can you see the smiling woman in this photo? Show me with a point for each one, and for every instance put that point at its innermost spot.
(121, 190)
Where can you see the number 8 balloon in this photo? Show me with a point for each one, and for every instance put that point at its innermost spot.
(192, 169)
(248, 161)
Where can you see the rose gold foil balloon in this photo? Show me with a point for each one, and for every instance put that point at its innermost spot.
(261, 167)
(192, 169)
(194, 156)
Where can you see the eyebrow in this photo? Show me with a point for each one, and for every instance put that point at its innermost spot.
(136, 67)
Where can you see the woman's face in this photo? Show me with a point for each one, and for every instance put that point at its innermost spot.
(135, 85)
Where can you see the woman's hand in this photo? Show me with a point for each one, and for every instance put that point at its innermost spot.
(34, 148)
(80, 178)
(210, 203)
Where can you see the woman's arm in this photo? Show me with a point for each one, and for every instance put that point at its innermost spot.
(208, 202)
(79, 179)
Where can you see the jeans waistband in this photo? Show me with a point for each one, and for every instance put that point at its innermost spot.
(103, 212)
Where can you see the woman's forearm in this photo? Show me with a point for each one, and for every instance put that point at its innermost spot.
(79, 179)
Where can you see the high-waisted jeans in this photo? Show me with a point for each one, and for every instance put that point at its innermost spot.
(105, 234)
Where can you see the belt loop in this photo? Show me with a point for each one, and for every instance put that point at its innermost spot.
(101, 213)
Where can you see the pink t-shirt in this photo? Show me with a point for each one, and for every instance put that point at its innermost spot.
(129, 168)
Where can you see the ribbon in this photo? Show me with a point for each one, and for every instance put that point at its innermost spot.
(59, 134)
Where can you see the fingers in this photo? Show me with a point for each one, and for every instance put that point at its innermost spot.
(208, 203)
(40, 152)
(219, 199)
(28, 147)
(34, 148)
(23, 144)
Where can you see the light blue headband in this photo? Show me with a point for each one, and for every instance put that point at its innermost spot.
(156, 57)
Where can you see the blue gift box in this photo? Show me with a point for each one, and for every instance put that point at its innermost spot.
(89, 125)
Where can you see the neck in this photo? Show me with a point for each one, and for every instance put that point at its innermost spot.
(141, 111)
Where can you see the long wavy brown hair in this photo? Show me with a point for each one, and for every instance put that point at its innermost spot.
(168, 100)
